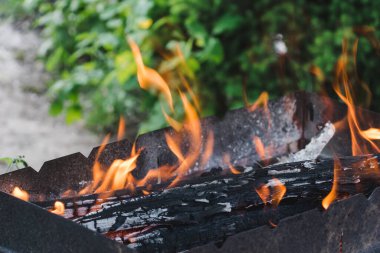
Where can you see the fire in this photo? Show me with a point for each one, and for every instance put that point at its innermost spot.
(260, 149)
(264, 193)
(192, 130)
(372, 133)
(262, 100)
(119, 176)
(207, 152)
(121, 129)
(185, 142)
(18, 193)
(226, 159)
(59, 208)
(333, 193)
(343, 88)
(272, 192)
(97, 171)
(150, 78)
(278, 193)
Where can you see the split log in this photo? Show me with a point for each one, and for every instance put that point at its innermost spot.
(216, 206)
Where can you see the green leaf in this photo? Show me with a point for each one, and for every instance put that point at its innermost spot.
(56, 107)
(196, 30)
(73, 114)
(7, 160)
(54, 59)
(213, 51)
(226, 23)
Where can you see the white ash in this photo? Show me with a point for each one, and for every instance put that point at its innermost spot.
(322, 181)
(309, 165)
(300, 184)
(314, 148)
(274, 182)
(248, 169)
(278, 172)
(202, 200)
(88, 201)
(227, 206)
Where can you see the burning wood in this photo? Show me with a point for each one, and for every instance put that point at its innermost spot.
(221, 205)
(314, 148)
(161, 197)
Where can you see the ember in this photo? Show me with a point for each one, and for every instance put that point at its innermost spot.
(18, 193)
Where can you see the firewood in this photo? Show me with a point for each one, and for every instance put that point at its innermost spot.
(217, 205)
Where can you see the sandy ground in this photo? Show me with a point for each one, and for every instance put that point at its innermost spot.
(25, 125)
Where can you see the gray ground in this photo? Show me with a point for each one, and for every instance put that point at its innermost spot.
(25, 126)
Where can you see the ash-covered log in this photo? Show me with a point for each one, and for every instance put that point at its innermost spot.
(350, 225)
(213, 207)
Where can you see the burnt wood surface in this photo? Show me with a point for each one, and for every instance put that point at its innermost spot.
(215, 206)
(350, 225)
(233, 135)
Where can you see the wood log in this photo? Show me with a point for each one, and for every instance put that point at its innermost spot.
(213, 207)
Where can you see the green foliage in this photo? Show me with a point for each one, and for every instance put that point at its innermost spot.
(14, 163)
(11, 8)
(226, 45)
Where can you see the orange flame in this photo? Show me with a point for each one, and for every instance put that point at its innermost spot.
(119, 176)
(18, 193)
(59, 208)
(260, 149)
(333, 193)
(226, 159)
(207, 152)
(185, 142)
(343, 88)
(264, 193)
(192, 129)
(97, 171)
(317, 72)
(272, 192)
(121, 129)
(150, 78)
(278, 193)
(262, 100)
(372, 133)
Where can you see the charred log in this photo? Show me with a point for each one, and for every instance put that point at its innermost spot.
(213, 207)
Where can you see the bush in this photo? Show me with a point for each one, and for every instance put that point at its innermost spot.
(227, 47)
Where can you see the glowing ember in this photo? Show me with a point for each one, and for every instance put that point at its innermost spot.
(59, 208)
(18, 193)
(264, 193)
(272, 192)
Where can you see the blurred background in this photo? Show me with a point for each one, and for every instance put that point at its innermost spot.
(67, 73)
